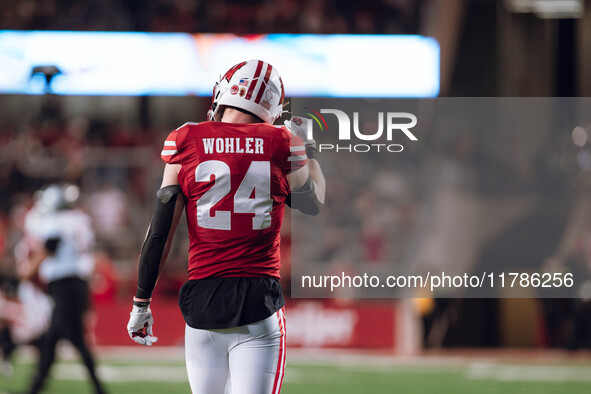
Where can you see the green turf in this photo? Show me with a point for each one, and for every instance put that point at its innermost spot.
(325, 379)
(328, 380)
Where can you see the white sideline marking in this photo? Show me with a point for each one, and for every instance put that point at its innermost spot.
(123, 373)
(530, 373)
(502, 373)
(486, 367)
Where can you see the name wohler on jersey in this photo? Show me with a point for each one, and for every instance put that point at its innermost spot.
(233, 145)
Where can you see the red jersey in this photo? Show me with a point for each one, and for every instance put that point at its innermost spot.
(233, 177)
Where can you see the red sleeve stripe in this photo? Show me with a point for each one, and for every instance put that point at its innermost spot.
(297, 158)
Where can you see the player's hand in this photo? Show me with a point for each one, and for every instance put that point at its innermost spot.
(140, 325)
(298, 126)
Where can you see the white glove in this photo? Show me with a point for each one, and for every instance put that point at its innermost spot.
(299, 126)
(140, 325)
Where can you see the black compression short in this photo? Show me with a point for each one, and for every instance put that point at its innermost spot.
(214, 303)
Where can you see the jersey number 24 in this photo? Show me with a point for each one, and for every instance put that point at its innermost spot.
(257, 179)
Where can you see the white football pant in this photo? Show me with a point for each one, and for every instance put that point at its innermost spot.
(248, 359)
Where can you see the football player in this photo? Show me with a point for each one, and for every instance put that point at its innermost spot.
(235, 173)
(62, 258)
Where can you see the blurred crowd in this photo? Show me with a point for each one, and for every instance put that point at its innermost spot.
(223, 16)
(117, 167)
(426, 208)
(399, 207)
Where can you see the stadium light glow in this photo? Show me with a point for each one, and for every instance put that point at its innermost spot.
(179, 64)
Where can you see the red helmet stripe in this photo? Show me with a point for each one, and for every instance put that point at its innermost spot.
(282, 92)
(268, 73)
(254, 80)
(230, 73)
(264, 84)
(260, 94)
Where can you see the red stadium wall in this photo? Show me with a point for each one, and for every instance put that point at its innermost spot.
(325, 323)
(310, 324)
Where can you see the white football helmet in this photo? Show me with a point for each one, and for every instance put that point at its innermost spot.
(254, 86)
(56, 197)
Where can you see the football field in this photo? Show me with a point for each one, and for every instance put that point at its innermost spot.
(163, 371)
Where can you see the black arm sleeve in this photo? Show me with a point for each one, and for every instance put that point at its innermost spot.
(153, 247)
(304, 199)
